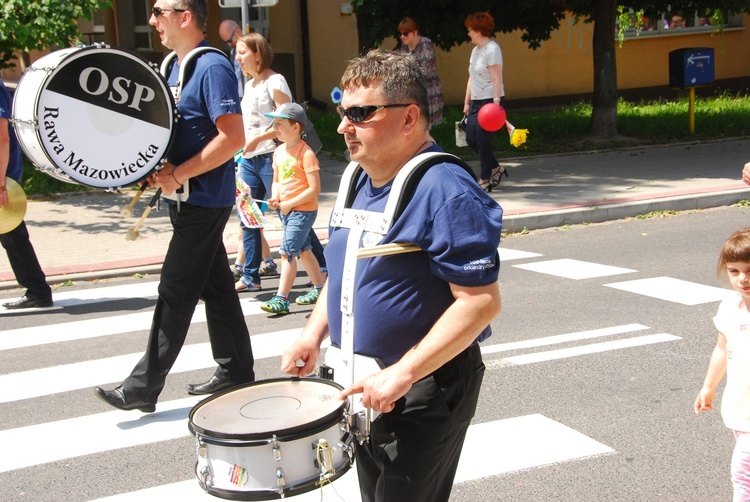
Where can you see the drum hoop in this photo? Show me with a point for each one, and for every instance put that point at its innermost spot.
(80, 53)
(260, 438)
(268, 494)
(29, 154)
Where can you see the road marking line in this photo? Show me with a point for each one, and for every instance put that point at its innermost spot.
(103, 326)
(591, 348)
(574, 269)
(68, 377)
(491, 449)
(569, 337)
(98, 295)
(674, 290)
(512, 254)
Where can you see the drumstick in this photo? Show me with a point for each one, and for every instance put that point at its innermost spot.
(133, 232)
(387, 249)
(127, 211)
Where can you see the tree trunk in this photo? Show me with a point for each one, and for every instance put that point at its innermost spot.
(365, 38)
(604, 114)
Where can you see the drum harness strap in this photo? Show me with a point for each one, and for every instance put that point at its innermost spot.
(349, 367)
(186, 69)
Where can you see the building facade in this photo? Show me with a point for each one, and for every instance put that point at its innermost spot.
(313, 40)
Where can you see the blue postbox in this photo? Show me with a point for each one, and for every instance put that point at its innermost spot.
(691, 67)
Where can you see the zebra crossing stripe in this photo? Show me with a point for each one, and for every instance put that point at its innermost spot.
(490, 449)
(68, 377)
(104, 326)
(565, 338)
(591, 348)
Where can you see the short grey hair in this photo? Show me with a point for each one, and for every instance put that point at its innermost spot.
(396, 73)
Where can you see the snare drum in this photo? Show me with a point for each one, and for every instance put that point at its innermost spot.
(98, 116)
(271, 439)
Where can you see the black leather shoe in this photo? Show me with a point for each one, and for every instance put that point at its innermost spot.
(124, 399)
(214, 384)
(27, 303)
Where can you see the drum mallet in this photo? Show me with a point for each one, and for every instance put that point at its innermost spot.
(133, 232)
(387, 249)
(127, 211)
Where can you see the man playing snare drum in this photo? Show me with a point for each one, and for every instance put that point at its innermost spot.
(421, 314)
(209, 132)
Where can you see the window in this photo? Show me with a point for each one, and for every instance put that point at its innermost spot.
(674, 22)
(141, 14)
(92, 31)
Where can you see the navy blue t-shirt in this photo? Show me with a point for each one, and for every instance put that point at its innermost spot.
(210, 91)
(399, 298)
(15, 162)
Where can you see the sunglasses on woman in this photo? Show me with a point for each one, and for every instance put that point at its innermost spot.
(158, 11)
(358, 114)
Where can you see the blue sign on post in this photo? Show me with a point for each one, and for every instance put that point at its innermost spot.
(691, 67)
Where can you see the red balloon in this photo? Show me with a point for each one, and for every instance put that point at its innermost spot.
(491, 117)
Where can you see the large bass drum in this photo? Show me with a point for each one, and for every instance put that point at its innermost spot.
(98, 116)
(271, 439)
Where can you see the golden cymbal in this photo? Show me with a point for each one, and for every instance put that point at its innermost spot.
(11, 214)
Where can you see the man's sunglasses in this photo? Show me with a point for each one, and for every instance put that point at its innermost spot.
(358, 114)
(158, 11)
(230, 38)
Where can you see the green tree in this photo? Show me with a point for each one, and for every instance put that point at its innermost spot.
(442, 21)
(41, 24)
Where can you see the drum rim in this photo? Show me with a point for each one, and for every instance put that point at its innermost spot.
(79, 52)
(284, 435)
(269, 494)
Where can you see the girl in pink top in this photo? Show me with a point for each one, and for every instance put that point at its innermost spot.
(731, 356)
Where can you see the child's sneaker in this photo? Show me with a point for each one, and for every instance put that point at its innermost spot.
(310, 298)
(276, 305)
(236, 272)
(268, 268)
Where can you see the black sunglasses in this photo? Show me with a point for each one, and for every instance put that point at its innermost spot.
(231, 38)
(404, 33)
(358, 114)
(158, 11)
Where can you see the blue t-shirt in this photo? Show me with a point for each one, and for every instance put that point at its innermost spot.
(15, 162)
(210, 92)
(398, 298)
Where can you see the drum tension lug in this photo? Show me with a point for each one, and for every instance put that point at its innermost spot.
(325, 372)
(276, 449)
(280, 481)
(347, 445)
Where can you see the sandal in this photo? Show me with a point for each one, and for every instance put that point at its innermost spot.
(240, 286)
(485, 185)
(497, 175)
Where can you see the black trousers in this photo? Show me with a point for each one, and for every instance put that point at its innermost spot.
(480, 140)
(414, 450)
(24, 263)
(195, 267)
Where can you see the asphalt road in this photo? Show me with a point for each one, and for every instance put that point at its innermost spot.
(592, 370)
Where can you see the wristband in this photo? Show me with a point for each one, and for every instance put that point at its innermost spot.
(175, 178)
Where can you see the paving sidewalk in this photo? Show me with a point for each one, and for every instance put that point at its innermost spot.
(80, 237)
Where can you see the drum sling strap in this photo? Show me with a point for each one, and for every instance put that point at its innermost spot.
(186, 69)
(347, 366)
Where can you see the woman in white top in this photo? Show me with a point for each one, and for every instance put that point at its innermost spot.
(264, 92)
(485, 85)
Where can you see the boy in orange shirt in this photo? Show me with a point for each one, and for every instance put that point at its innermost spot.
(294, 193)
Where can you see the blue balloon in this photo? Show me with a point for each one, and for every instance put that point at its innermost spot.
(336, 95)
